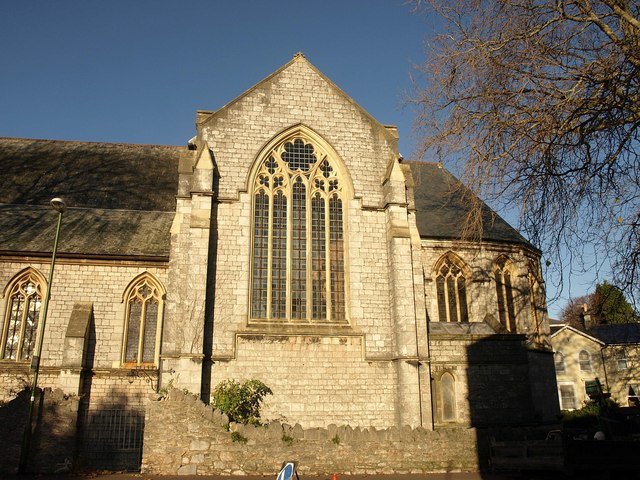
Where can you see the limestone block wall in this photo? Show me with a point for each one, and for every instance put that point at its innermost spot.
(481, 289)
(185, 437)
(101, 284)
(491, 378)
(297, 94)
(316, 380)
(53, 442)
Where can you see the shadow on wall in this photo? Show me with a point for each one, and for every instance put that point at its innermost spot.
(505, 402)
(54, 432)
(207, 347)
(110, 435)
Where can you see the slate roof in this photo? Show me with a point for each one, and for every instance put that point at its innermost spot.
(441, 208)
(121, 197)
(617, 334)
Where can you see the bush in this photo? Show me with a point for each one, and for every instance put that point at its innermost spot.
(240, 402)
(588, 414)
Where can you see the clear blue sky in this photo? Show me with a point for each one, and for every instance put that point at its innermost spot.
(136, 71)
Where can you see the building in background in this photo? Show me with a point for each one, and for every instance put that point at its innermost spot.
(610, 353)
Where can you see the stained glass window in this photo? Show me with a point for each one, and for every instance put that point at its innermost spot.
(451, 291)
(504, 291)
(144, 309)
(23, 317)
(298, 272)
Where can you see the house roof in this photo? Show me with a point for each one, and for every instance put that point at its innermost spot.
(570, 329)
(617, 334)
(120, 197)
(441, 207)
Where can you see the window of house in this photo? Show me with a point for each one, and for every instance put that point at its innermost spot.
(448, 398)
(584, 359)
(567, 397)
(558, 358)
(144, 301)
(633, 395)
(451, 286)
(298, 247)
(621, 360)
(22, 317)
(504, 290)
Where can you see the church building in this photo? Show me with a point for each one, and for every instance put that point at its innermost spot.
(288, 242)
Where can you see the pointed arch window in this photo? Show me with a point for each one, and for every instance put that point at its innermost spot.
(503, 275)
(536, 298)
(447, 398)
(451, 286)
(144, 300)
(22, 317)
(298, 272)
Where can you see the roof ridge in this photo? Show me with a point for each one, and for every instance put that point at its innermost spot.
(47, 207)
(93, 142)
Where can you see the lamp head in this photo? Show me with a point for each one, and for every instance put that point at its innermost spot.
(58, 205)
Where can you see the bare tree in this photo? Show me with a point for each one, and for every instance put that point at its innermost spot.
(537, 103)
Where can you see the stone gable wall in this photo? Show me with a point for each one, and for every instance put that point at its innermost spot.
(298, 95)
(183, 436)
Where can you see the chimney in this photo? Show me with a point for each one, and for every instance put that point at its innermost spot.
(585, 318)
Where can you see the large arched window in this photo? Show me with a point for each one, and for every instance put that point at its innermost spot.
(144, 302)
(451, 286)
(502, 273)
(298, 248)
(24, 298)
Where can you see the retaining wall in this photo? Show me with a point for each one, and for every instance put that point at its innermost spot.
(184, 436)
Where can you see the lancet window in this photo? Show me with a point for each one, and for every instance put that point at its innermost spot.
(24, 300)
(504, 289)
(144, 301)
(451, 286)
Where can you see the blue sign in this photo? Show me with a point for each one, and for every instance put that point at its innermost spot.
(287, 471)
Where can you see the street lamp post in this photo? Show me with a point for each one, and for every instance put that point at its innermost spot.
(59, 206)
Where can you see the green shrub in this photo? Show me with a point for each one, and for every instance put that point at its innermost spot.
(240, 402)
(237, 437)
(287, 440)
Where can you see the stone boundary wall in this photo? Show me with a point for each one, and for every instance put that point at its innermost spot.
(183, 436)
(53, 439)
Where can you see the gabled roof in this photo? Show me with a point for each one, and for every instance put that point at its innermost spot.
(89, 174)
(617, 334)
(441, 209)
(204, 116)
(120, 197)
(569, 328)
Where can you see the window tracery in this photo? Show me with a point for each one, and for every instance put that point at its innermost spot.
(504, 290)
(144, 300)
(298, 271)
(22, 317)
(451, 287)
